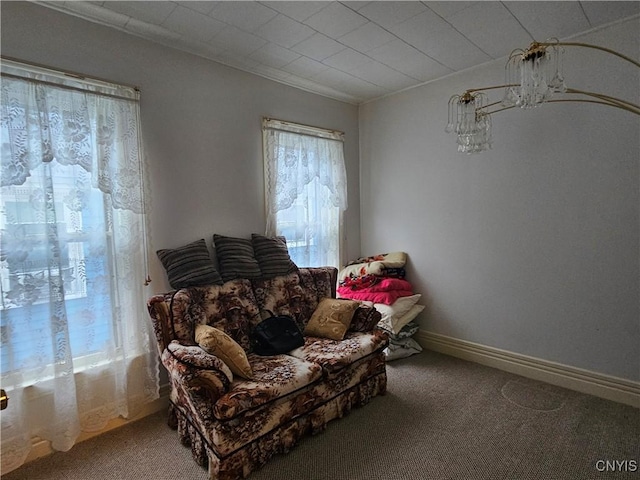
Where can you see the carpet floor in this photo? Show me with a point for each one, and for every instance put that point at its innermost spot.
(442, 418)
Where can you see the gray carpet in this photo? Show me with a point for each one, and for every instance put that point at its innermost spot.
(442, 418)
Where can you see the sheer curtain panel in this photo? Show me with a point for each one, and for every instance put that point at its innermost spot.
(305, 190)
(76, 344)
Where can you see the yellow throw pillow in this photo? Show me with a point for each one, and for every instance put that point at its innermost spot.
(218, 343)
(331, 319)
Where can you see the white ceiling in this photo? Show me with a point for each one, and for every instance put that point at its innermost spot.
(351, 51)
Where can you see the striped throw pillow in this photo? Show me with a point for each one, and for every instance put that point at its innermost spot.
(190, 265)
(236, 258)
(272, 255)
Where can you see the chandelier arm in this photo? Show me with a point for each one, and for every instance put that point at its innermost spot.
(588, 45)
(500, 109)
(479, 109)
(608, 98)
(493, 87)
(578, 100)
(601, 102)
(569, 90)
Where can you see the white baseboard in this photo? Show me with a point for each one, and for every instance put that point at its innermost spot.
(41, 448)
(604, 386)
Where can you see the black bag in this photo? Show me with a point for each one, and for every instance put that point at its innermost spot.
(275, 335)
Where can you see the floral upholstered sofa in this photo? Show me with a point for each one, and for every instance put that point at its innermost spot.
(234, 425)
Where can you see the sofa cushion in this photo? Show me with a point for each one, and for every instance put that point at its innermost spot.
(229, 307)
(319, 281)
(274, 377)
(189, 265)
(331, 319)
(218, 343)
(336, 354)
(365, 319)
(285, 295)
(236, 258)
(272, 255)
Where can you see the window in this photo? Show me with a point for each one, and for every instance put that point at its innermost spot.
(305, 189)
(76, 343)
(27, 273)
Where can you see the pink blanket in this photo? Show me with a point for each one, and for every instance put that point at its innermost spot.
(381, 285)
(386, 291)
(376, 297)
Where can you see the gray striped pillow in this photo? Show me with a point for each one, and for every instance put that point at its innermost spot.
(272, 255)
(236, 258)
(190, 265)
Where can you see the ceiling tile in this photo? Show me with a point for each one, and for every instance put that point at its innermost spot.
(299, 11)
(284, 31)
(436, 38)
(406, 59)
(383, 76)
(388, 14)
(497, 42)
(198, 6)
(334, 77)
(232, 39)
(358, 87)
(346, 60)
(150, 12)
(318, 47)
(446, 9)
(245, 15)
(335, 20)
(544, 20)
(305, 67)
(453, 50)
(416, 29)
(367, 37)
(274, 55)
(599, 13)
(355, 5)
(192, 24)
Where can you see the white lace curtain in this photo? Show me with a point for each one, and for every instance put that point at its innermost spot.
(76, 343)
(305, 190)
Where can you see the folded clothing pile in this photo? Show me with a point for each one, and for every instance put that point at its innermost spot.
(382, 265)
(397, 321)
(379, 281)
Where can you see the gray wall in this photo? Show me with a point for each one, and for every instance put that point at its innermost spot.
(532, 247)
(201, 124)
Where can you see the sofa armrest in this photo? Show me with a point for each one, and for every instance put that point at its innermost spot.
(158, 308)
(323, 280)
(365, 319)
(196, 373)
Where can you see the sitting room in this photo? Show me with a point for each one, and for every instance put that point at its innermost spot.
(438, 201)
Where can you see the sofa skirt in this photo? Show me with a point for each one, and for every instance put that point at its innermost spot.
(281, 439)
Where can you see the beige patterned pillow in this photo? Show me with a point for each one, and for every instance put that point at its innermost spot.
(331, 319)
(218, 343)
